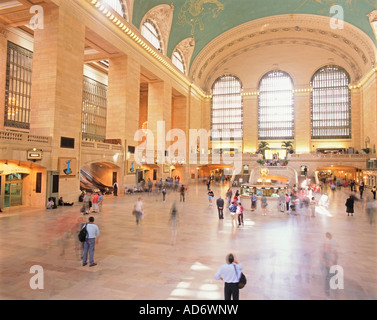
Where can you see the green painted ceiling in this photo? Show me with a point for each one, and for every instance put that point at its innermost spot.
(218, 16)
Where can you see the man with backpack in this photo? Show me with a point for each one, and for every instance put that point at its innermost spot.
(92, 233)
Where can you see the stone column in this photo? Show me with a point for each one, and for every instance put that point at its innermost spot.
(123, 103)
(56, 94)
(123, 99)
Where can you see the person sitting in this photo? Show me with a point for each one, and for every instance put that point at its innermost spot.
(62, 203)
(50, 204)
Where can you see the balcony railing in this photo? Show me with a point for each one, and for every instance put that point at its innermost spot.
(24, 138)
(101, 146)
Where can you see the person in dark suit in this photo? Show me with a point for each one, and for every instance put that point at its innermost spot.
(116, 187)
(220, 207)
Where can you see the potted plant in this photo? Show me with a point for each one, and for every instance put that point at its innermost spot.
(261, 161)
(288, 146)
(262, 147)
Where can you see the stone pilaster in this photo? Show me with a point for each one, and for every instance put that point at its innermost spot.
(3, 67)
(302, 122)
(56, 94)
(123, 99)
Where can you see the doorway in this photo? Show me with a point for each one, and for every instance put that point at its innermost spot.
(13, 190)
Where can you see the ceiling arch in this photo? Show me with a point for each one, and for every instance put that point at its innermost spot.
(207, 19)
(298, 44)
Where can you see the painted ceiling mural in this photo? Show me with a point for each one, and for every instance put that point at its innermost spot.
(206, 19)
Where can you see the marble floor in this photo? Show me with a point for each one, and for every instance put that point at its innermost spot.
(280, 252)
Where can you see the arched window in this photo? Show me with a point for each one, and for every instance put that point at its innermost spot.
(178, 61)
(331, 104)
(227, 109)
(149, 32)
(276, 107)
(118, 6)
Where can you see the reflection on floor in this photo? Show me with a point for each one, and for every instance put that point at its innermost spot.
(155, 260)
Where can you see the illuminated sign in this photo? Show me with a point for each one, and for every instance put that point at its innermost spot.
(34, 154)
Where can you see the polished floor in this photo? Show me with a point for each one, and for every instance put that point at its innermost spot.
(281, 253)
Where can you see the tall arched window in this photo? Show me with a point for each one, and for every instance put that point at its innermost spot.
(276, 107)
(227, 109)
(331, 104)
(149, 32)
(178, 61)
(119, 6)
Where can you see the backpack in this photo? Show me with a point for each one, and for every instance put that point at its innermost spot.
(83, 234)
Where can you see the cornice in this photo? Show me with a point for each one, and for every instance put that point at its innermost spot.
(273, 29)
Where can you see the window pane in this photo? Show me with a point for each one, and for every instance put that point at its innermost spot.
(330, 105)
(149, 32)
(227, 109)
(117, 5)
(18, 87)
(94, 110)
(178, 61)
(276, 107)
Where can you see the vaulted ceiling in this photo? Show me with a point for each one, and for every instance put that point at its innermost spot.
(206, 19)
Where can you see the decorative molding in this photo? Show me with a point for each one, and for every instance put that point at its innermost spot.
(357, 72)
(373, 21)
(360, 52)
(186, 47)
(3, 32)
(162, 17)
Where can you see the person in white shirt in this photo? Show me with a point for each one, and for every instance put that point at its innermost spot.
(138, 210)
(230, 273)
(90, 242)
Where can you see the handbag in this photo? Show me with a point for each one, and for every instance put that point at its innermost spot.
(242, 281)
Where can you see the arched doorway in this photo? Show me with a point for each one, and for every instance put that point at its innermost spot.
(340, 175)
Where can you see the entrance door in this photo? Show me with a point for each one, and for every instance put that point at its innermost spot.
(13, 194)
(13, 190)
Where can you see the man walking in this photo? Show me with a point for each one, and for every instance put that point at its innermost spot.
(220, 207)
(233, 214)
(90, 242)
(230, 273)
(138, 210)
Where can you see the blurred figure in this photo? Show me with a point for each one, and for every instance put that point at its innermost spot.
(138, 210)
(253, 199)
(324, 201)
(328, 258)
(173, 224)
(361, 189)
(374, 192)
(264, 205)
(371, 211)
(282, 202)
(100, 202)
(312, 205)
